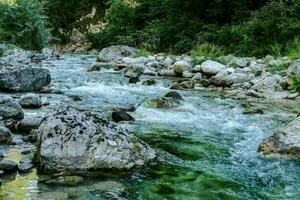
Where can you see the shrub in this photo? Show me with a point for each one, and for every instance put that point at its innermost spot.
(293, 48)
(208, 50)
(24, 24)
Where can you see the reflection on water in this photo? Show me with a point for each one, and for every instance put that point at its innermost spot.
(207, 147)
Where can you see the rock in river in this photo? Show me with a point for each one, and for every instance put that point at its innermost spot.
(121, 115)
(31, 101)
(8, 166)
(20, 79)
(5, 135)
(78, 141)
(286, 141)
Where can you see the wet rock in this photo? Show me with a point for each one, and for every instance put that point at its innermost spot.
(25, 165)
(1, 173)
(30, 101)
(75, 98)
(149, 72)
(174, 95)
(134, 79)
(149, 82)
(72, 140)
(98, 66)
(181, 66)
(162, 102)
(20, 79)
(66, 180)
(286, 141)
(183, 85)
(9, 108)
(212, 67)
(26, 151)
(31, 137)
(28, 124)
(118, 116)
(5, 135)
(8, 166)
(115, 53)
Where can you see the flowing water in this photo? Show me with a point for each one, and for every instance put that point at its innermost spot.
(206, 147)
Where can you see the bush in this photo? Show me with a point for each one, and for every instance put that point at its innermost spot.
(293, 48)
(207, 50)
(24, 24)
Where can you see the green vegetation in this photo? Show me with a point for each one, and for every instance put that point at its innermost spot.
(204, 28)
(24, 24)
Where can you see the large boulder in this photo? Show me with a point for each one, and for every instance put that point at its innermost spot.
(286, 141)
(10, 109)
(77, 141)
(19, 79)
(115, 53)
(211, 68)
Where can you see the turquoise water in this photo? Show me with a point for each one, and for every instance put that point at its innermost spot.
(207, 147)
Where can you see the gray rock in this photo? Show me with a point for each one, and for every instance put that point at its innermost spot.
(20, 79)
(9, 108)
(8, 166)
(138, 60)
(72, 140)
(293, 73)
(98, 66)
(181, 66)
(186, 74)
(5, 135)
(293, 95)
(30, 101)
(220, 79)
(212, 67)
(174, 95)
(25, 165)
(286, 141)
(29, 123)
(167, 73)
(239, 77)
(115, 53)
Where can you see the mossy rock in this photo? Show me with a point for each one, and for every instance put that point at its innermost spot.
(149, 82)
(162, 102)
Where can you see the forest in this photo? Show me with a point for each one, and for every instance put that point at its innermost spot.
(243, 28)
(149, 99)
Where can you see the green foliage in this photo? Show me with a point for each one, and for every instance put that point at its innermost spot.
(245, 28)
(295, 86)
(208, 50)
(64, 16)
(293, 49)
(24, 24)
